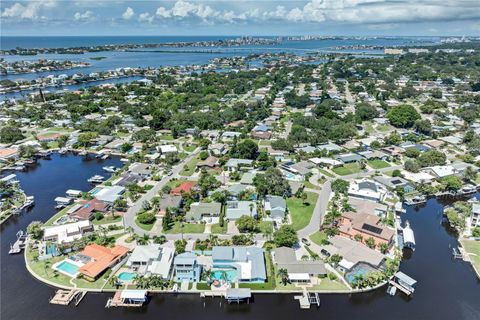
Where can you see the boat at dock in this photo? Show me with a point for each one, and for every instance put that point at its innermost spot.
(128, 298)
(403, 283)
(62, 151)
(416, 201)
(96, 179)
(20, 244)
(110, 169)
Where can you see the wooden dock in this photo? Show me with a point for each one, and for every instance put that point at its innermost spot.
(65, 297)
(307, 299)
(19, 244)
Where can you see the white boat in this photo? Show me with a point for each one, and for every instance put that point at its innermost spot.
(96, 179)
(105, 157)
(62, 151)
(29, 202)
(110, 169)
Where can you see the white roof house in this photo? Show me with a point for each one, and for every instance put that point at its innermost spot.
(110, 194)
(152, 259)
(168, 148)
(367, 189)
(441, 171)
(67, 232)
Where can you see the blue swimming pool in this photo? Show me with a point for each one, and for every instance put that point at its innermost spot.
(359, 270)
(229, 275)
(68, 268)
(94, 191)
(126, 276)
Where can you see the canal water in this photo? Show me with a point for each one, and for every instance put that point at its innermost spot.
(447, 288)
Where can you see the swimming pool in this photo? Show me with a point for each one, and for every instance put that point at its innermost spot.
(359, 270)
(126, 276)
(229, 275)
(67, 268)
(95, 190)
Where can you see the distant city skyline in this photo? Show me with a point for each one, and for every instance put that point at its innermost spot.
(219, 18)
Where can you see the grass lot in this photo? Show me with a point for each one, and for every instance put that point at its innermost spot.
(56, 216)
(265, 226)
(384, 127)
(187, 228)
(202, 286)
(190, 167)
(166, 137)
(264, 143)
(189, 148)
(310, 185)
(378, 164)
(217, 229)
(301, 213)
(108, 219)
(473, 248)
(346, 169)
(318, 237)
(326, 173)
(146, 227)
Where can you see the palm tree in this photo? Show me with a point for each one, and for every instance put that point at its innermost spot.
(267, 233)
(143, 240)
(114, 281)
(283, 274)
(213, 239)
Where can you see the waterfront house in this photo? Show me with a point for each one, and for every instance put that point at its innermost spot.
(299, 271)
(100, 259)
(367, 189)
(187, 268)
(151, 260)
(67, 232)
(441, 171)
(7, 154)
(109, 194)
(248, 262)
(394, 182)
(275, 208)
(86, 209)
(204, 211)
(365, 225)
(236, 209)
(475, 216)
(353, 253)
(369, 207)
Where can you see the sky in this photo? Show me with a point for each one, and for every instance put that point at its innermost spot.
(247, 17)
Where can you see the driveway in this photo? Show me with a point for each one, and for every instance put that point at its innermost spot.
(318, 212)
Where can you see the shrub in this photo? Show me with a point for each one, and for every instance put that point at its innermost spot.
(146, 218)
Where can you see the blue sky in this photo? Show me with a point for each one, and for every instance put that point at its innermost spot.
(267, 17)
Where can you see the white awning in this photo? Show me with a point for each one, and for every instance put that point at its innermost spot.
(299, 276)
(133, 294)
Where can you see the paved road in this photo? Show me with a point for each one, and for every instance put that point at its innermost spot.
(129, 216)
(318, 212)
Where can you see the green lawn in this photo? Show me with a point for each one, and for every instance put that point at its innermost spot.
(203, 286)
(187, 228)
(166, 137)
(326, 173)
(310, 185)
(265, 226)
(318, 237)
(189, 148)
(56, 216)
(146, 227)
(378, 164)
(217, 229)
(190, 167)
(108, 219)
(473, 248)
(301, 213)
(347, 169)
(330, 285)
(384, 127)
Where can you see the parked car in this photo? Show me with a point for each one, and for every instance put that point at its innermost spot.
(306, 241)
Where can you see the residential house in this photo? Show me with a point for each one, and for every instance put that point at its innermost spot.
(167, 149)
(151, 259)
(249, 262)
(67, 232)
(233, 164)
(100, 258)
(367, 189)
(366, 206)
(367, 226)
(204, 211)
(109, 194)
(143, 170)
(86, 209)
(353, 253)
(299, 271)
(168, 201)
(218, 149)
(349, 158)
(395, 182)
(187, 267)
(185, 187)
(475, 216)
(236, 209)
(209, 163)
(275, 207)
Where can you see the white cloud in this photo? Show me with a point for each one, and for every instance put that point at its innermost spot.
(28, 10)
(145, 17)
(86, 16)
(128, 14)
